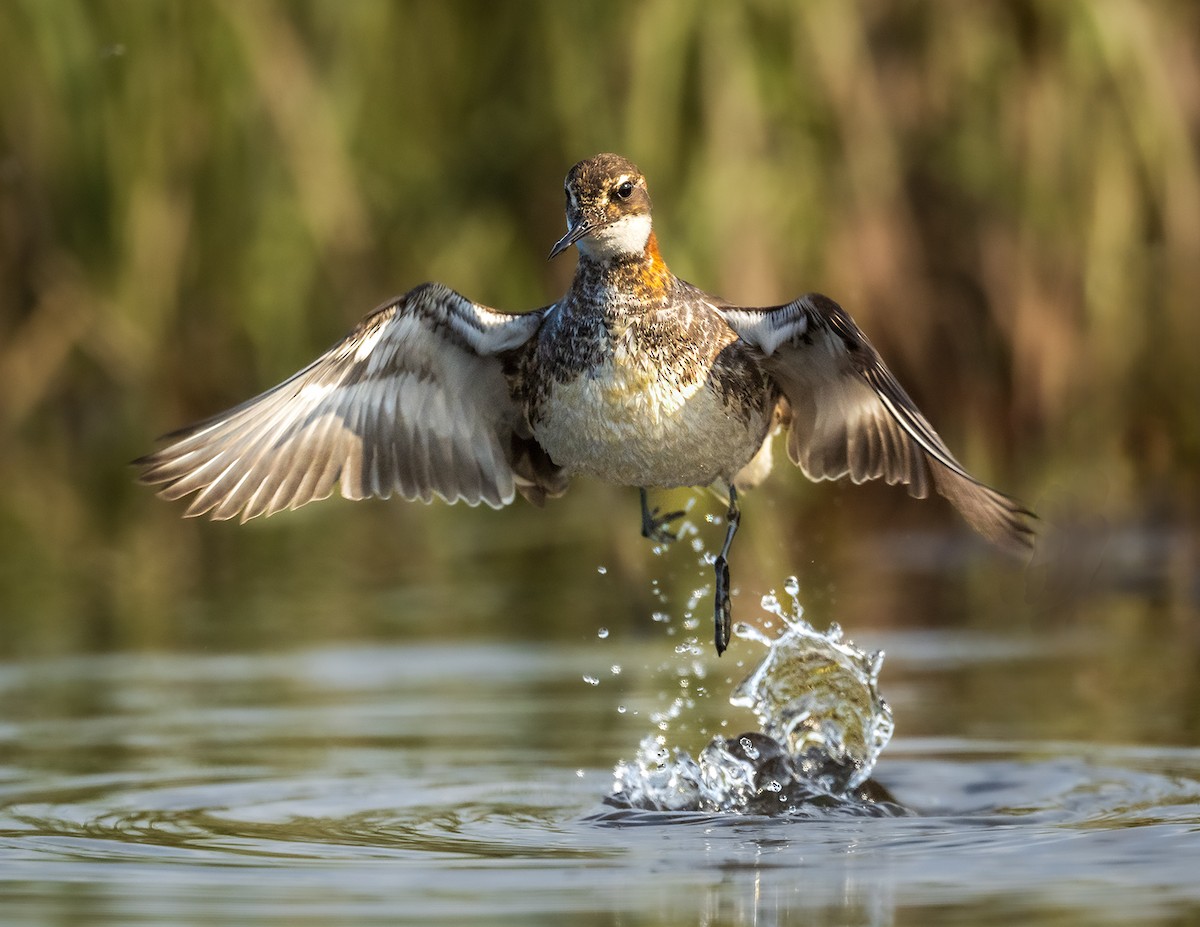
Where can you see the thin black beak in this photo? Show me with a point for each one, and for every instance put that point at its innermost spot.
(580, 230)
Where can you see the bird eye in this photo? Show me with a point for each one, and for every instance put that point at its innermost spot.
(625, 189)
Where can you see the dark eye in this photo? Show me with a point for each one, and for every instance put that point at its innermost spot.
(625, 190)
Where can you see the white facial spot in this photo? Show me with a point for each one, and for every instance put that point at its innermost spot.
(628, 235)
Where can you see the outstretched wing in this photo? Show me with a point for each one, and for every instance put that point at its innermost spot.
(851, 417)
(413, 401)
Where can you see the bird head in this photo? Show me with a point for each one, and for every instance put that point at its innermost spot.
(608, 209)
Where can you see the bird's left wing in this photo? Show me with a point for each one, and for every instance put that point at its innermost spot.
(850, 417)
(413, 401)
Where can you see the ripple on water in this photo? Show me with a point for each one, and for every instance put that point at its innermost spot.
(315, 775)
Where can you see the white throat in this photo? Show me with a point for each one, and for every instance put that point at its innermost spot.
(628, 235)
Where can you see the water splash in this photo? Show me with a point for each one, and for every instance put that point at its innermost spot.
(817, 695)
(822, 726)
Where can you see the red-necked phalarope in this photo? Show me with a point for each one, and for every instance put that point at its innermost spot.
(634, 377)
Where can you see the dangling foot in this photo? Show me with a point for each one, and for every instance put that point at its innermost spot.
(655, 525)
(722, 606)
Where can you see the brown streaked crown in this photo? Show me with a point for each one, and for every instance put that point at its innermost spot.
(604, 188)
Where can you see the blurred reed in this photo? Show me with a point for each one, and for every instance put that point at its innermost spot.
(196, 198)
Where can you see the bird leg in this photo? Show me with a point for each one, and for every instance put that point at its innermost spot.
(722, 607)
(655, 524)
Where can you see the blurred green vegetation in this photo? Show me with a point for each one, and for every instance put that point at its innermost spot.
(196, 198)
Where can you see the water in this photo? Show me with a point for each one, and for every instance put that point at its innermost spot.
(465, 783)
(821, 726)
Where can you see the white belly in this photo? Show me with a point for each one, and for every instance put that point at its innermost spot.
(628, 424)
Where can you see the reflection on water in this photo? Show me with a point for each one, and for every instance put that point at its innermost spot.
(410, 784)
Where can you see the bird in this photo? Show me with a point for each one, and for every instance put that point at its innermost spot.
(634, 377)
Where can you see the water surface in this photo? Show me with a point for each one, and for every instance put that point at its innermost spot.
(464, 783)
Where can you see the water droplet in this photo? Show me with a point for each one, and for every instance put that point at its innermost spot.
(750, 633)
(601, 570)
(602, 633)
(579, 773)
(621, 709)
(591, 680)
(615, 669)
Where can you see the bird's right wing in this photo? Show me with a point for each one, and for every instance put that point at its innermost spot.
(413, 401)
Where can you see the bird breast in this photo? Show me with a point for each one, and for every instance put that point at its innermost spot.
(633, 420)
